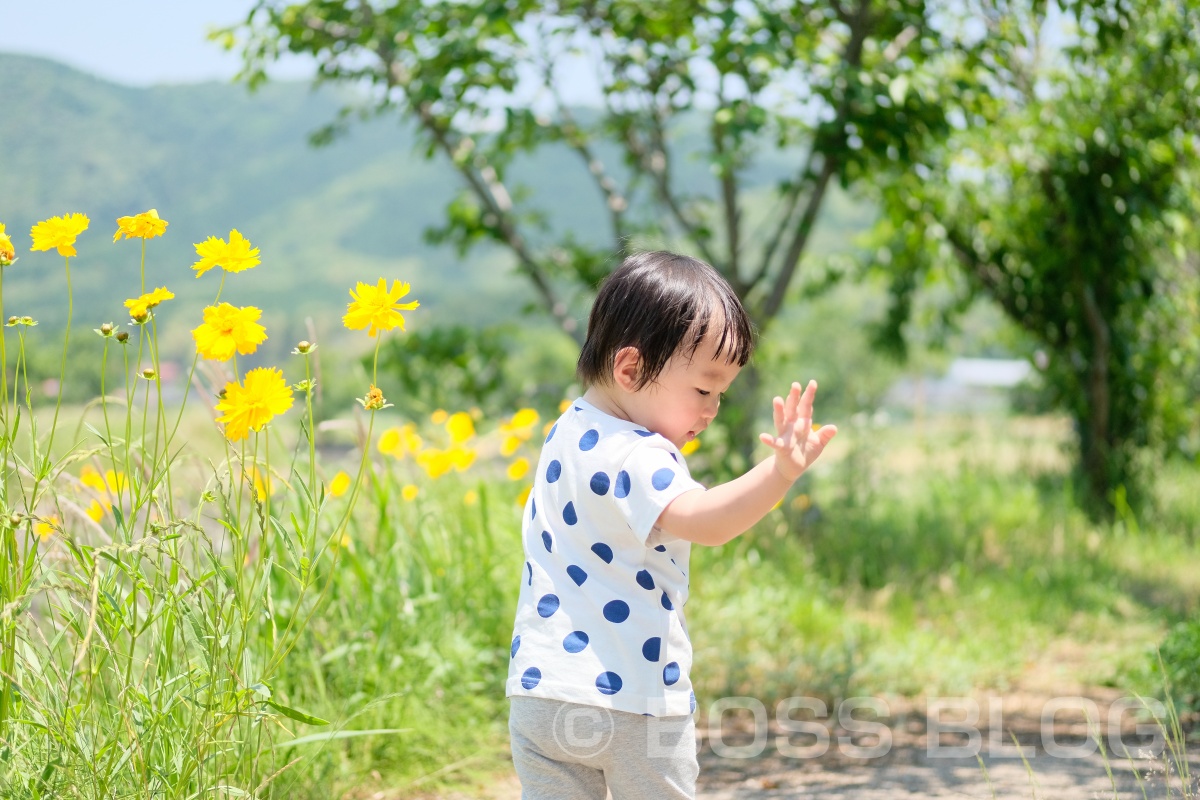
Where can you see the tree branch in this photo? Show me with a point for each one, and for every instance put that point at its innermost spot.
(485, 183)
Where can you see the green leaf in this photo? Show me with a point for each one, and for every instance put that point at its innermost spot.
(328, 737)
(299, 716)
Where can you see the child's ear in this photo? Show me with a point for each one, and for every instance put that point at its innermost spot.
(627, 365)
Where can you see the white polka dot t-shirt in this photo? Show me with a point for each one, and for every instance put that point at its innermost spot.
(599, 619)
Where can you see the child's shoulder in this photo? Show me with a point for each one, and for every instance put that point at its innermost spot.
(585, 427)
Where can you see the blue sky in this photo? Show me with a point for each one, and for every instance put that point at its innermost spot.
(135, 42)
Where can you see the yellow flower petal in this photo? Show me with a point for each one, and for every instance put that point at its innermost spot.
(339, 484)
(409, 493)
(460, 427)
(235, 255)
(510, 445)
(524, 496)
(690, 447)
(377, 308)
(95, 511)
(228, 329)
(146, 225)
(389, 442)
(140, 306)
(252, 404)
(518, 469)
(58, 233)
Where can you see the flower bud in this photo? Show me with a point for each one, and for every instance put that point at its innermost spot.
(106, 328)
(304, 348)
(149, 374)
(13, 320)
(123, 337)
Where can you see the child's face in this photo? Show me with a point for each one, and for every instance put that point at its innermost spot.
(684, 399)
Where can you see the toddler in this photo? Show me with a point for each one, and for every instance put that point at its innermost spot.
(601, 698)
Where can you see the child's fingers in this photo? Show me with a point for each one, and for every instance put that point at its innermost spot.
(777, 413)
(771, 441)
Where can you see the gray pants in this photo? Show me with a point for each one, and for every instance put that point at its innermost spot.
(566, 751)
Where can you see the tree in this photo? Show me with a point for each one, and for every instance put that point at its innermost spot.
(836, 89)
(1070, 201)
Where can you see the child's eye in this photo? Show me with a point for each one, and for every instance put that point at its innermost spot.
(703, 393)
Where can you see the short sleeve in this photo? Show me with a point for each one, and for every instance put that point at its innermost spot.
(650, 478)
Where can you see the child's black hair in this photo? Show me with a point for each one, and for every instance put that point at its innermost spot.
(661, 303)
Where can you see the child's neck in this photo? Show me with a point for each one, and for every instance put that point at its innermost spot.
(603, 398)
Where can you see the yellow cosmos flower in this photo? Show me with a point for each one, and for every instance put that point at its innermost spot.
(58, 233)
(377, 308)
(45, 528)
(409, 493)
(235, 255)
(7, 253)
(510, 445)
(439, 416)
(401, 441)
(146, 225)
(226, 329)
(518, 469)
(563, 406)
(250, 405)
(263, 485)
(139, 307)
(339, 484)
(95, 511)
(435, 462)
(690, 447)
(389, 441)
(523, 497)
(460, 427)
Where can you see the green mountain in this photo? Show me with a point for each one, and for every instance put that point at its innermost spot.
(211, 157)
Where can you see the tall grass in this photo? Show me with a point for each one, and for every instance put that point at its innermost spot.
(150, 596)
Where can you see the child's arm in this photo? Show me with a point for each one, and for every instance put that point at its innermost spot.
(716, 515)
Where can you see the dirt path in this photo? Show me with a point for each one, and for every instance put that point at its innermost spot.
(937, 747)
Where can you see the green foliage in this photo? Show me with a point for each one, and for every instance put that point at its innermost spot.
(1067, 200)
(1180, 653)
(497, 369)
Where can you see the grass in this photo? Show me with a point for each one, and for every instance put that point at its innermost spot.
(918, 562)
(928, 558)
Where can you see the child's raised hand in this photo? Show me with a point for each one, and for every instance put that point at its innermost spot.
(796, 444)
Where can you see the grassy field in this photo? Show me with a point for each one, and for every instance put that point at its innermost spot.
(922, 558)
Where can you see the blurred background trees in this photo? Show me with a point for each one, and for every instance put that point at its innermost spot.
(1051, 172)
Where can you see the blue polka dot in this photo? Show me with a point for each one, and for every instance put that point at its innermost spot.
(550, 435)
(516, 645)
(547, 540)
(529, 567)
(651, 648)
(548, 604)
(531, 678)
(575, 642)
(671, 674)
(600, 483)
(589, 439)
(675, 458)
(553, 471)
(623, 484)
(577, 408)
(692, 701)
(609, 683)
(616, 611)
(666, 602)
(662, 479)
(604, 551)
(533, 504)
(641, 432)
(644, 580)
(569, 515)
(577, 574)
(662, 548)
